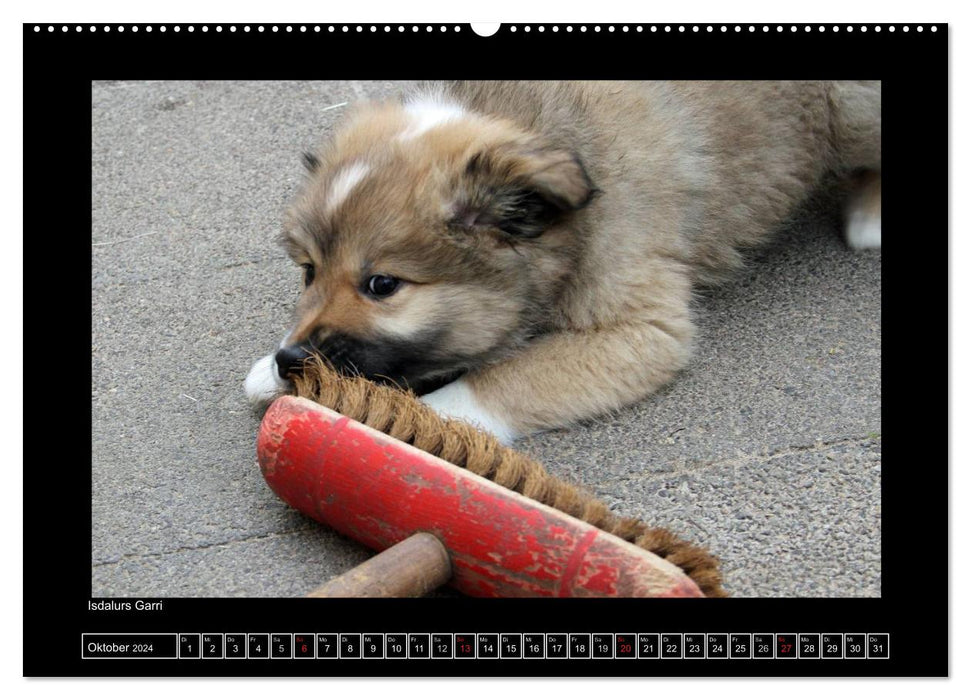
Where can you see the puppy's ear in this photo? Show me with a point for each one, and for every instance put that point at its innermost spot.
(310, 161)
(520, 190)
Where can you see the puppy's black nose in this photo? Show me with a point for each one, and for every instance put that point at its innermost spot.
(290, 359)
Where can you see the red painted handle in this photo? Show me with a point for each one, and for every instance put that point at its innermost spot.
(379, 490)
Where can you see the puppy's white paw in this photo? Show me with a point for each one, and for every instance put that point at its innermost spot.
(457, 400)
(862, 229)
(863, 213)
(263, 383)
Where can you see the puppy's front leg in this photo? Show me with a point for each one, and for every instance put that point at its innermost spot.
(568, 376)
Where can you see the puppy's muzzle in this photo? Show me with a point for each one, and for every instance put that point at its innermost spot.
(289, 360)
(401, 363)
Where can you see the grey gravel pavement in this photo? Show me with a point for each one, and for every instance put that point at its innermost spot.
(766, 450)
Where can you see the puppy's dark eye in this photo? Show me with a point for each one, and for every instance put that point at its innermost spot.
(382, 285)
(308, 274)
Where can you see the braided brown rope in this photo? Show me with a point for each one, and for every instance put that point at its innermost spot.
(400, 415)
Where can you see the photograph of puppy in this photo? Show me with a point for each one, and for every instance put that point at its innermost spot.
(525, 255)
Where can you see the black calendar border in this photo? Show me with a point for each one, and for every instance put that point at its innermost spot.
(913, 65)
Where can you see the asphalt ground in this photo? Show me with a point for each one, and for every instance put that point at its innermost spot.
(766, 450)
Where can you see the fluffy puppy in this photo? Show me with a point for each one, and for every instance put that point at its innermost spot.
(524, 254)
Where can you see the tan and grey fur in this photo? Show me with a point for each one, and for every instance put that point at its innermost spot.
(549, 235)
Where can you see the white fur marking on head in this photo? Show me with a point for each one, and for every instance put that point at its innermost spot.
(862, 227)
(263, 383)
(345, 181)
(427, 112)
(457, 400)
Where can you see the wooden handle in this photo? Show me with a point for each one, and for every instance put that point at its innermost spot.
(413, 567)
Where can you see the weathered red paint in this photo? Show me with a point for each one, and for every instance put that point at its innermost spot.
(379, 490)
